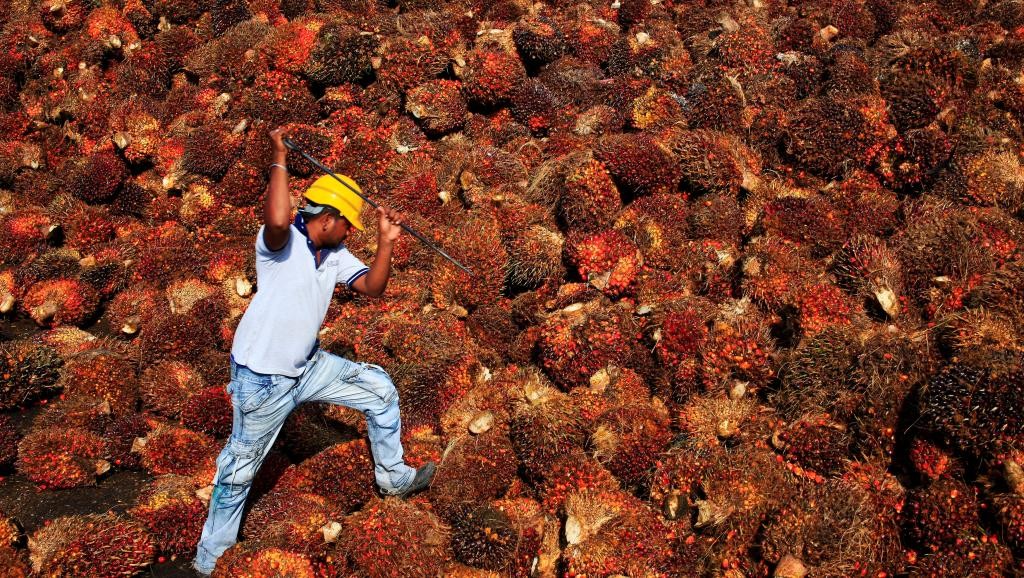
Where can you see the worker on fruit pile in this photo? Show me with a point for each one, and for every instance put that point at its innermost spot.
(276, 362)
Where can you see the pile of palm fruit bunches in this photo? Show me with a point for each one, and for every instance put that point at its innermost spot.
(748, 288)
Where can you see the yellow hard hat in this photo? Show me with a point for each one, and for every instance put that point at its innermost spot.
(328, 191)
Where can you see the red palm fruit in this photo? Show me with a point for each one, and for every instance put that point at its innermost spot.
(290, 44)
(98, 177)
(341, 53)
(84, 226)
(50, 265)
(406, 61)
(737, 350)
(165, 253)
(9, 438)
(29, 370)
(490, 76)
(474, 470)
(589, 200)
(24, 232)
(133, 307)
(172, 513)
(680, 329)
(371, 536)
(88, 413)
(868, 268)
(437, 105)
(822, 305)
(244, 559)
(101, 545)
(120, 437)
(775, 271)
(654, 109)
(607, 259)
(628, 440)
(538, 39)
(808, 533)
(293, 520)
(227, 14)
(277, 98)
(639, 163)
(182, 335)
(932, 461)
(715, 419)
(589, 36)
(613, 533)
(59, 457)
(166, 386)
(824, 134)
(234, 54)
(569, 474)
(486, 406)
(208, 410)
(817, 447)
(972, 556)
(937, 515)
(914, 159)
(677, 474)
(484, 254)
(582, 338)
(320, 474)
(170, 449)
(808, 220)
(14, 563)
(712, 161)
(10, 290)
(544, 424)
(209, 150)
(308, 431)
(534, 105)
(913, 99)
(610, 388)
(485, 537)
(105, 374)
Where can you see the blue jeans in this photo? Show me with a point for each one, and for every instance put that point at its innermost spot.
(262, 402)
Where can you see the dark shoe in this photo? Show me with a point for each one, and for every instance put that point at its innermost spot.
(420, 481)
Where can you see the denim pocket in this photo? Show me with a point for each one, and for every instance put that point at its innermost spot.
(250, 395)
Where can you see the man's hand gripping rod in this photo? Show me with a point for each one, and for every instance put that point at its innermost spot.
(288, 143)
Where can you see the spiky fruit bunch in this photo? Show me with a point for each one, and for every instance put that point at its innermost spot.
(807, 220)
(208, 410)
(544, 425)
(209, 150)
(678, 473)
(89, 413)
(129, 309)
(713, 162)
(826, 133)
(991, 177)
(534, 106)
(973, 556)
(320, 474)
(474, 470)
(639, 162)
(485, 537)
(868, 268)
(170, 449)
(774, 271)
(293, 520)
(628, 440)
(915, 158)
(973, 408)
(172, 513)
(810, 529)
(104, 374)
(61, 301)
(24, 231)
(62, 457)
(165, 386)
(590, 199)
(120, 437)
(490, 76)
(437, 105)
(484, 254)
(715, 419)
(534, 256)
(816, 445)
(610, 388)
(28, 369)
(582, 338)
(573, 473)
(931, 461)
(538, 40)
(53, 264)
(327, 67)
(822, 305)
(737, 350)
(937, 515)
(98, 177)
(308, 430)
(406, 61)
(101, 545)
(278, 97)
(372, 535)
(244, 559)
(613, 533)
(607, 259)
(8, 450)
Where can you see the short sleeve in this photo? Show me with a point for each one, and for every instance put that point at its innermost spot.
(263, 253)
(350, 268)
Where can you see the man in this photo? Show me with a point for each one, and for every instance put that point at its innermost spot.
(276, 363)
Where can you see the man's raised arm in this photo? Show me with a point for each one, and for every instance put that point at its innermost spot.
(277, 204)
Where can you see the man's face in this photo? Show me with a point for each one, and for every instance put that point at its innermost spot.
(337, 231)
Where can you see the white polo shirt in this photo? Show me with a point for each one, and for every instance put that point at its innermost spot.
(279, 329)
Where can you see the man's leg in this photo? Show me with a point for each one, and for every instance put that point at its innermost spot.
(260, 404)
(369, 389)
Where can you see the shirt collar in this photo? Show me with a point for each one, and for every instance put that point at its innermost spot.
(300, 224)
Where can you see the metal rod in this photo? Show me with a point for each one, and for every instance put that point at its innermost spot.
(288, 143)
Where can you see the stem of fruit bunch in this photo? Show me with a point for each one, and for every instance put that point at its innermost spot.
(290, 144)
